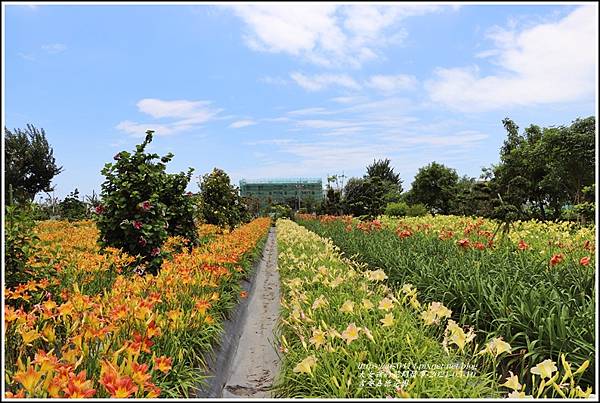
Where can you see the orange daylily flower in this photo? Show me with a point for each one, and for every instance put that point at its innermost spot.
(556, 259)
(29, 379)
(163, 363)
(79, 387)
(202, 305)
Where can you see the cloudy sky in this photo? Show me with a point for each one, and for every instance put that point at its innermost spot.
(294, 90)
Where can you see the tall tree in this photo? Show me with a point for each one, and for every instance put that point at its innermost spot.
(545, 168)
(389, 179)
(434, 186)
(30, 165)
(221, 202)
(364, 197)
(383, 170)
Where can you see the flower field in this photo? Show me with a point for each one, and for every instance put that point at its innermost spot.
(532, 288)
(339, 319)
(91, 328)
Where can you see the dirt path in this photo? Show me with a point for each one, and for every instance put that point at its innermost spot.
(255, 363)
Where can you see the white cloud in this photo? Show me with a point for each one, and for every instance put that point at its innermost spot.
(242, 123)
(27, 56)
(547, 63)
(389, 84)
(324, 124)
(54, 48)
(326, 34)
(273, 80)
(184, 115)
(310, 111)
(322, 81)
(348, 99)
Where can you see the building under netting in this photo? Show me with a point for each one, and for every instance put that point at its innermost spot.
(295, 192)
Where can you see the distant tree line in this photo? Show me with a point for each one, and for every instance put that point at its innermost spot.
(543, 173)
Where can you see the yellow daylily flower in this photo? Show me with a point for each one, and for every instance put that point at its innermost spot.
(386, 304)
(29, 336)
(545, 369)
(388, 320)
(319, 302)
(306, 365)
(347, 307)
(429, 317)
(337, 281)
(496, 346)
(458, 335)
(318, 337)
(377, 275)
(351, 333)
(518, 395)
(512, 382)
(367, 304)
(440, 310)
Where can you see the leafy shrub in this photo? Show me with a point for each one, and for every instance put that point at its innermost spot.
(280, 211)
(140, 203)
(19, 238)
(221, 204)
(71, 208)
(181, 206)
(416, 210)
(398, 209)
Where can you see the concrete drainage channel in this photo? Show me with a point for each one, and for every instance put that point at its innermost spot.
(246, 362)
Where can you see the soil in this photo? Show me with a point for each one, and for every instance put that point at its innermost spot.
(256, 363)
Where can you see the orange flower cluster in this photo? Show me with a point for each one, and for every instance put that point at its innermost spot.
(368, 226)
(124, 340)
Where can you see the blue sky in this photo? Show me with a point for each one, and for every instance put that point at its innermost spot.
(264, 90)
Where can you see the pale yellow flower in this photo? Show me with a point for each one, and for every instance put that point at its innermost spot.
(545, 369)
(458, 335)
(367, 304)
(388, 320)
(351, 333)
(347, 307)
(496, 346)
(377, 275)
(318, 337)
(429, 317)
(440, 310)
(512, 382)
(306, 365)
(337, 281)
(518, 395)
(319, 302)
(386, 304)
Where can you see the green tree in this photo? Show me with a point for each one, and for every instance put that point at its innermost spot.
(181, 206)
(29, 163)
(364, 197)
(544, 169)
(390, 180)
(72, 208)
(434, 186)
(332, 204)
(220, 199)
